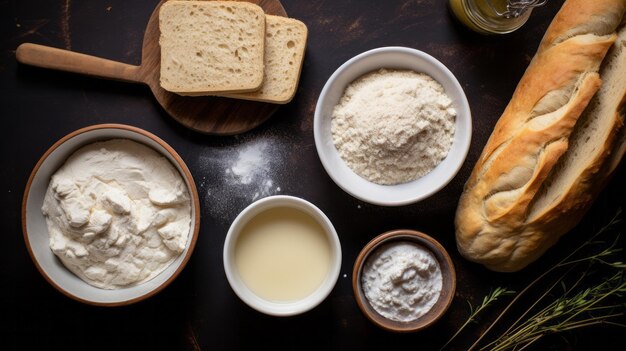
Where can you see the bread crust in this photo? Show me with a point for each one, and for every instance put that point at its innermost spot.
(293, 75)
(492, 224)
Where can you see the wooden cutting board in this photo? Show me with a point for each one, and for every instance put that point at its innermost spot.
(206, 114)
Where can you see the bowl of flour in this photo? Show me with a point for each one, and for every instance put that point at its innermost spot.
(392, 126)
(403, 281)
(110, 215)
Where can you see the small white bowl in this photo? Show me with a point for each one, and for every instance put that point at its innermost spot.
(36, 231)
(348, 180)
(272, 307)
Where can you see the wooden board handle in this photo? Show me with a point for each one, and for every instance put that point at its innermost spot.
(68, 61)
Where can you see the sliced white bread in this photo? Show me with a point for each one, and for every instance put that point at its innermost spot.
(620, 147)
(594, 145)
(285, 42)
(210, 47)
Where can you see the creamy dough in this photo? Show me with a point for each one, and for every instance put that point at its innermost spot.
(118, 213)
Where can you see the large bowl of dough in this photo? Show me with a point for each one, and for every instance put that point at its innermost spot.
(392, 126)
(110, 215)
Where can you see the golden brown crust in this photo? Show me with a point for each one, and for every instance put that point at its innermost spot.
(530, 138)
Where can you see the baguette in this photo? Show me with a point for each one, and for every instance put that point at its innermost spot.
(535, 173)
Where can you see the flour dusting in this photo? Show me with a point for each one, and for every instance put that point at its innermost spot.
(393, 126)
(247, 174)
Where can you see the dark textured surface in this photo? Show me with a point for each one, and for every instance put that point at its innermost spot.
(199, 310)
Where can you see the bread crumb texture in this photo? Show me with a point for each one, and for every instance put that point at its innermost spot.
(285, 43)
(211, 46)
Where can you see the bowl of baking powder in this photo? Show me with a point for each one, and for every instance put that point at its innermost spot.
(403, 281)
(392, 126)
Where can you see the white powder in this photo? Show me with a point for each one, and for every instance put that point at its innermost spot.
(250, 163)
(393, 127)
(118, 213)
(234, 177)
(401, 280)
(252, 167)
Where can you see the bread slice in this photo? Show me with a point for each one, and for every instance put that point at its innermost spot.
(285, 42)
(210, 47)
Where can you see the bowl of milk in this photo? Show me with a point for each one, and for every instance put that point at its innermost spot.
(282, 256)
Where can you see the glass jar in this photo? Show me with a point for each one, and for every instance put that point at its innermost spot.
(488, 16)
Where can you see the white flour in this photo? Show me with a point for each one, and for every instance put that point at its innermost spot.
(250, 164)
(235, 177)
(401, 280)
(393, 127)
(252, 167)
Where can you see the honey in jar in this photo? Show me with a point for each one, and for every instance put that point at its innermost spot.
(492, 16)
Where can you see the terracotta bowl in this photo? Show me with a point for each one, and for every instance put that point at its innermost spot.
(448, 281)
(36, 231)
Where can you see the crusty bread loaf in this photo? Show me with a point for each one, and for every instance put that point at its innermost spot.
(619, 66)
(210, 47)
(285, 42)
(523, 192)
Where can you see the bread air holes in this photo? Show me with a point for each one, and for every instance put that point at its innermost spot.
(291, 44)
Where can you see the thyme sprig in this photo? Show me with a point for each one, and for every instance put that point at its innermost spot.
(487, 301)
(575, 308)
(581, 304)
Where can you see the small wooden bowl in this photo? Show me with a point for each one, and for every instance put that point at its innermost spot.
(447, 290)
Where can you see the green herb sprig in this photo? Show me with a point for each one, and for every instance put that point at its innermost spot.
(582, 303)
(474, 312)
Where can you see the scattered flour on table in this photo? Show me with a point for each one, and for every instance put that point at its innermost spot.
(250, 163)
(252, 166)
(235, 177)
(393, 126)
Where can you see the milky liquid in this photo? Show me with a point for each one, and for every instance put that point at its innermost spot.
(283, 254)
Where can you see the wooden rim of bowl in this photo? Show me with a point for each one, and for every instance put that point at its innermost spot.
(448, 281)
(192, 190)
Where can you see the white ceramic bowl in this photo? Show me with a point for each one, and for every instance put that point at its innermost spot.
(348, 180)
(36, 231)
(271, 307)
